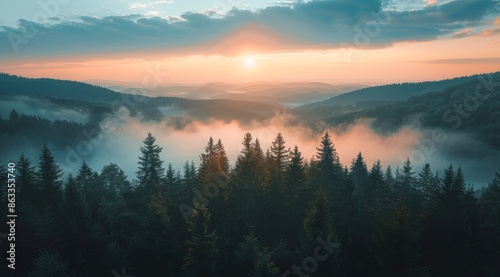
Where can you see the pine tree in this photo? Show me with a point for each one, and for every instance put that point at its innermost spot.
(458, 187)
(379, 189)
(280, 158)
(259, 160)
(359, 173)
(114, 181)
(490, 231)
(208, 163)
(221, 157)
(151, 172)
(447, 225)
(406, 181)
(296, 193)
(76, 218)
(250, 168)
(92, 191)
(13, 122)
(425, 182)
(253, 259)
(318, 225)
(170, 176)
(389, 177)
(49, 179)
(214, 164)
(273, 202)
(328, 165)
(448, 179)
(318, 220)
(201, 246)
(29, 190)
(295, 173)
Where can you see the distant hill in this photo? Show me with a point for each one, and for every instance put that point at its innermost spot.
(387, 93)
(456, 108)
(290, 94)
(98, 100)
(16, 85)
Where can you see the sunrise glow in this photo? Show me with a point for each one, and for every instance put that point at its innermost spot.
(250, 62)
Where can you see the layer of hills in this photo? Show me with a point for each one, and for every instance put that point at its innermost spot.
(389, 105)
(79, 95)
(288, 94)
(466, 108)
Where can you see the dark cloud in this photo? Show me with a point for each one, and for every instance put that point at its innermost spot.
(311, 25)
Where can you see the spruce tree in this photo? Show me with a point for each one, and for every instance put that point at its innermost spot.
(49, 179)
(151, 171)
(490, 221)
(359, 175)
(389, 177)
(425, 182)
(330, 173)
(77, 219)
(208, 163)
(29, 190)
(318, 226)
(447, 225)
(221, 158)
(201, 245)
(92, 191)
(114, 181)
(296, 192)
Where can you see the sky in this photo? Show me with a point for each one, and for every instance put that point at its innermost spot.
(163, 42)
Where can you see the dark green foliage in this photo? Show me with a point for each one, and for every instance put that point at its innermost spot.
(329, 174)
(27, 187)
(472, 104)
(49, 179)
(151, 171)
(50, 264)
(201, 246)
(270, 213)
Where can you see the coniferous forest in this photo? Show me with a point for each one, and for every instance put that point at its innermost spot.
(269, 214)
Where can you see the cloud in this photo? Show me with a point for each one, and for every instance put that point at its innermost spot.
(304, 26)
(462, 33)
(490, 31)
(146, 5)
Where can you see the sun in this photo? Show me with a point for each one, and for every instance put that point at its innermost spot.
(250, 62)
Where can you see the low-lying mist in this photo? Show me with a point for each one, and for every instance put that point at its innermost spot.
(39, 107)
(121, 136)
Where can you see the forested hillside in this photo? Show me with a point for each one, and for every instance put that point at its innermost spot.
(269, 214)
(391, 92)
(98, 101)
(472, 107)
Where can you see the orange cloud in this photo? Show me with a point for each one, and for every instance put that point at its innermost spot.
(462, 33)
(490, 31)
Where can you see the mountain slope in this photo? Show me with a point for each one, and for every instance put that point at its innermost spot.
(472, 107)
(17, 85)
(98, 100)
(388, 93)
